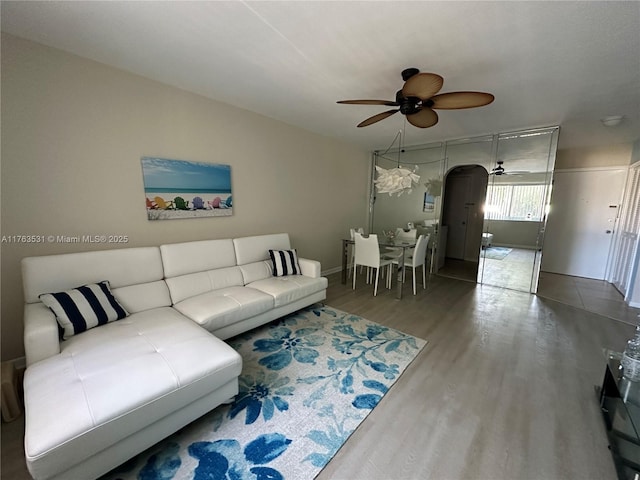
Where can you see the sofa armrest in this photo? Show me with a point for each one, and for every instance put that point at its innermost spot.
(310, 268)
(41, 338)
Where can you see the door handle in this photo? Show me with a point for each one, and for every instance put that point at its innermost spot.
(608, 231)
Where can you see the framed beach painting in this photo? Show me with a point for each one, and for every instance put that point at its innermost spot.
(183, 189)
(429, 203)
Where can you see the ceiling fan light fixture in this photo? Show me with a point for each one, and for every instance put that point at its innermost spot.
(499, 170)
(419, 96)
(612, 120)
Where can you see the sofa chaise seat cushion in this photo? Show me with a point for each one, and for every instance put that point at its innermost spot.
(290, 288)
(108, 383)
(218, 308)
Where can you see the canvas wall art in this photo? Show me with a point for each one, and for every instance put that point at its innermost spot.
(182, 189)
(429, 203)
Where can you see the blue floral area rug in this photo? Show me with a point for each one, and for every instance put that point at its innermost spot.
(308, 381)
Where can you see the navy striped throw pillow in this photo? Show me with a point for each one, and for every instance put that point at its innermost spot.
(85, 307)
(285, 262)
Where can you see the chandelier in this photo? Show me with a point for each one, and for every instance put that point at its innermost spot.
(396, 180)
(399, 179)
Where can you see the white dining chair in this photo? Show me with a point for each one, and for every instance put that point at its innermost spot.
(367, 253)
(407, 235)
(416, 259)
(402, 235)
(350, 267)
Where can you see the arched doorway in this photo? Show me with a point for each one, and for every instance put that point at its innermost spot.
(462, 220)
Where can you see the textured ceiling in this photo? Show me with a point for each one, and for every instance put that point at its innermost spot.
(547, 63)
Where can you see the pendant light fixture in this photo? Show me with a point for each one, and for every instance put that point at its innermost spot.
(396, 180)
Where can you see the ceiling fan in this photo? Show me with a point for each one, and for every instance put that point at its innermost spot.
(417, 99)
(499, 170)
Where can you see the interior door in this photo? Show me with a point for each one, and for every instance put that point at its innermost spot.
(456, 213)
(584, 208)
(627, 235)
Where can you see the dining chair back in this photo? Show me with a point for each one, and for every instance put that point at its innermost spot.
(401, 236)
(420, 253)
(367, 253)
(406, 235)
(416, 259)
(352, 232)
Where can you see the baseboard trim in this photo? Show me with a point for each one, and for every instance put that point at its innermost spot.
(331, 270)
(511, 245)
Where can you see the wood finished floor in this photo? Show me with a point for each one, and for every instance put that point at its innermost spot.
(503, 390)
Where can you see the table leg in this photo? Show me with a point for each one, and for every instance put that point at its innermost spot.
(433, 256)
(345, 258)
(400, 273)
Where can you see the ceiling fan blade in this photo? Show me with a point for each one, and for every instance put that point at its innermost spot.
(370, 102)
(422, 85)
(377, 118)
(456, 100)
(425, 118)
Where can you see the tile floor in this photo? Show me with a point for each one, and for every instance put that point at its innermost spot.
(514, 272)
(595, 296)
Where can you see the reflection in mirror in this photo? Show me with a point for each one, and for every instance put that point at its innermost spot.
(516, 209)
(467, 163)
(462, 221)
(421, 206)
(484, 226)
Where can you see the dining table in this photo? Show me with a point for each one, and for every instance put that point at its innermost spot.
(384, 242)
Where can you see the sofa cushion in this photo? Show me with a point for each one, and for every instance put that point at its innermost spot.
(252, 272)
(144, 296)
(255, 249)
(80, 309)
(114, 380)
(199, 256)
(219, 308)
(125, 268)
(285, 262)
(288, 289)
(193, 284)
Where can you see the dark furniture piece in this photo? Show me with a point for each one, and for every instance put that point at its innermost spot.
(620, 404)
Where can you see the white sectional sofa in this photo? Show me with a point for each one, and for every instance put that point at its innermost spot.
(227, 286)
(101, 396)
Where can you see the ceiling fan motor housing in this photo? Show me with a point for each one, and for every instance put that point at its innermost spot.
(407, 73)
(408, 105)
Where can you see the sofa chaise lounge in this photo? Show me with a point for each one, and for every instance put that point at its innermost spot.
(97, 398)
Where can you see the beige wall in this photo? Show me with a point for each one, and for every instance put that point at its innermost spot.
(511, 233)
(73, 132)
(588, 157)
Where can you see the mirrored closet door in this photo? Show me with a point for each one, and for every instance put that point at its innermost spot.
(483, 201)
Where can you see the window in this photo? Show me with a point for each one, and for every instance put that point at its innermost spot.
(515, 202)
